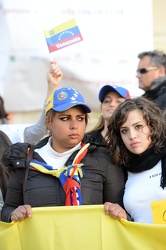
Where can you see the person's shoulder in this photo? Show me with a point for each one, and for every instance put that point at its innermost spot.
(95, 147)
(99, 155)
(162, 80)
(4, 143)
(158, 83)
(42, 142)
(93, 132)
(96, 136)
(15, 155)
(11, 131)
(88, 138)
(4, 138)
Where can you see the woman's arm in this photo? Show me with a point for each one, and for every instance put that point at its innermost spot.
(36, 132)
(14, 195)
(114, 184)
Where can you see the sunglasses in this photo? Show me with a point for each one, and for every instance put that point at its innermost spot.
(144, 70)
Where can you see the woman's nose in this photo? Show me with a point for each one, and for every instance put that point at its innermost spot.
(73, 125)
(133, 134)
(112, 103)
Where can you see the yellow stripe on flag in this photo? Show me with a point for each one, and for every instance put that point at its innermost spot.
(64, 26)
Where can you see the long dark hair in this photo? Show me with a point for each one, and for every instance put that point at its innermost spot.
(154, 119)
(4, 173)
(4, 177)
(100, 124)
(3, 113)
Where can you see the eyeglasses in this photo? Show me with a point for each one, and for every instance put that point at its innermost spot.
(144, 70)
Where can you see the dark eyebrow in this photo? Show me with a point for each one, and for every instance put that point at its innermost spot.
(114, 97)
(133, 124)
(60, 115)
(107, 97)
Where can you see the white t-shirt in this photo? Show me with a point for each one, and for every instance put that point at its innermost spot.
(140, 190)
(53, 158)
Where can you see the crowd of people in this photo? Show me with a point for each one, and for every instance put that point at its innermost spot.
(121, 163)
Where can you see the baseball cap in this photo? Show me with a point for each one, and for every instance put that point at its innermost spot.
(65, 98)
(108, 88)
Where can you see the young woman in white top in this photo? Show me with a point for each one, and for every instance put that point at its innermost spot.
(137, 141)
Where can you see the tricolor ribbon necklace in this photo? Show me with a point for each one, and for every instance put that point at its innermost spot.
(69, 176)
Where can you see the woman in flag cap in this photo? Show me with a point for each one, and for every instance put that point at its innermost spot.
(110, 97)
(31, 133)
(66, 168)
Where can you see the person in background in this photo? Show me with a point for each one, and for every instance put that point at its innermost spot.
(4, 173)
(66, 169)
(37, 131)
(3, 113)
(137, 141)
(4, 176)
(110, 97)
(151, 74)
(4, 143)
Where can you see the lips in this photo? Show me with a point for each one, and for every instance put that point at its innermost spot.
(134, 144)
(74, 136)
(110, 110)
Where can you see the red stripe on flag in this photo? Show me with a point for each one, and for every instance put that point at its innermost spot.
(64, 43)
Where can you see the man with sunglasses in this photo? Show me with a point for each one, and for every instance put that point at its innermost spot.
(151, 74)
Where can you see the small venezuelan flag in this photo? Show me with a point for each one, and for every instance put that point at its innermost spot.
(63, 35)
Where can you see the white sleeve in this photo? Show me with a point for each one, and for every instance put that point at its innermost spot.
(12, 131)
(34, 133)
(1, 202)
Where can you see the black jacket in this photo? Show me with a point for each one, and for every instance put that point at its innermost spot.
(102, 182)
(96, 134)
(157, 92)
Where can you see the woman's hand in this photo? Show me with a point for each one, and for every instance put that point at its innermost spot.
(54, 77)
(115, 210)
(21, 213)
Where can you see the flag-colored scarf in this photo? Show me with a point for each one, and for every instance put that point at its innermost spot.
(69, 176)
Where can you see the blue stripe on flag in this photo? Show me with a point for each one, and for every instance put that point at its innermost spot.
(63, 35)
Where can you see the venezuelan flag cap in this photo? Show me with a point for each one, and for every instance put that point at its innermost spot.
(65, 98)
(124, 93)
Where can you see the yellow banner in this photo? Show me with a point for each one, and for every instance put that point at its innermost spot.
(159, 211)
(83, 227)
